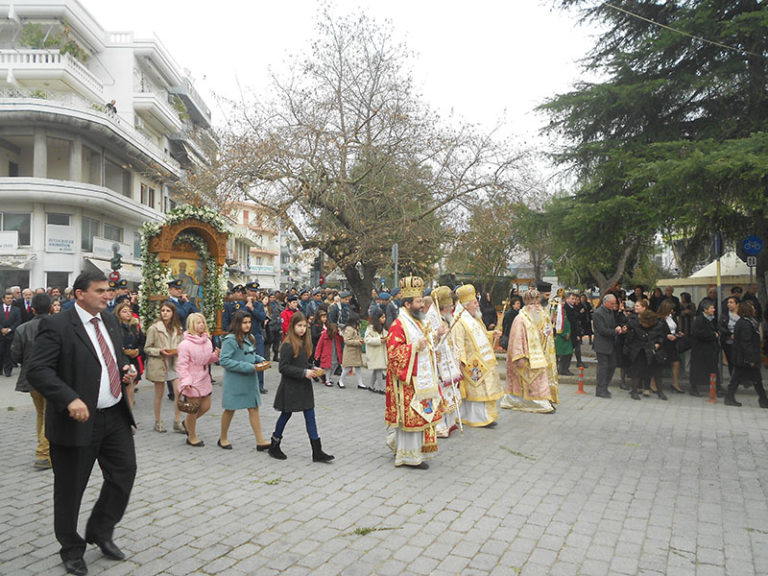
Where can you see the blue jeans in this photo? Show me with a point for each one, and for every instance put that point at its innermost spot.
(309, 420)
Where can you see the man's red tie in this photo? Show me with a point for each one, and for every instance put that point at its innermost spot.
(114, 373)
(7, 310)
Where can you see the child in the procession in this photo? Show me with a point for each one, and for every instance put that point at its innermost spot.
(352, 362)
(328, 353)
(376, 350)
(295, 391)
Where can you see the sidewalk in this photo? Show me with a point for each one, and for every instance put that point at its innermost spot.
(600, 487)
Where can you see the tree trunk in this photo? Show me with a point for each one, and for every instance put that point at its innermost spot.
(361, 287)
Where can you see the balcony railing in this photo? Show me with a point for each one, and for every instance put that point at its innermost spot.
(43, 60)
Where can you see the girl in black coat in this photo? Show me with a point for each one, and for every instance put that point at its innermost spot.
(295, 391)
(705, 347)
(643, 344)
(746, 355)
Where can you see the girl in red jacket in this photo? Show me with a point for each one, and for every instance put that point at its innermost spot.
(328, 352)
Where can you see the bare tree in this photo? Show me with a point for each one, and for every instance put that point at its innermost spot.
(347, 155)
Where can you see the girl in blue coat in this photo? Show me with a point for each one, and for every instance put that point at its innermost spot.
(240, 361)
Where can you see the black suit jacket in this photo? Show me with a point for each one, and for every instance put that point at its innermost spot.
(64, 366)
(21, 305)
(13, 321)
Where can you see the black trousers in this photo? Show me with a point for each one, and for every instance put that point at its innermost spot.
(606, 366)
(112, 446)
(6, 362)
(742, 374)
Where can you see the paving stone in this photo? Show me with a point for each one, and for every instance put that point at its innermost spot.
(623, 488)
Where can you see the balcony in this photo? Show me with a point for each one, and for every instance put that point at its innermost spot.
(198, 111)
(155, 110)
(49, 70)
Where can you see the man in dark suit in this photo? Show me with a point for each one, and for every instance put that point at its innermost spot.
(24, 304)
(75, 366)
(10, 318)
(607, 329)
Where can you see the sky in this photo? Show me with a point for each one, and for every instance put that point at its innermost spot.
(493, 62)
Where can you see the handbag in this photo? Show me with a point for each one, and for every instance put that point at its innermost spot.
(683, 343)
(660, 356)
(188, 404)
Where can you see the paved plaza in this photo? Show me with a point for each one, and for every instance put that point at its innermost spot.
(601, 487)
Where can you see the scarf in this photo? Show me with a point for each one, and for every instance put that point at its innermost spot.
(536, 336)
(424, 384)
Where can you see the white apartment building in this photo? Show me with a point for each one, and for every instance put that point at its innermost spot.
(253, 253)
(77, 179)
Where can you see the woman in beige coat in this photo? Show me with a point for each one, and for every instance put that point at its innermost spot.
(352, 359)
(163, 338)
(376, 350)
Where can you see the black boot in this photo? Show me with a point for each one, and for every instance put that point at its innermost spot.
(660, 393)
(634, 394)
(274, 449)
(730, 400)
(317, 452)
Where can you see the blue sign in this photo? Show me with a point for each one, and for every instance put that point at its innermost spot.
(752, 245)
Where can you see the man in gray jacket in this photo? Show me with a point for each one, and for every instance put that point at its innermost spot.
(607, 329)
(21, 352)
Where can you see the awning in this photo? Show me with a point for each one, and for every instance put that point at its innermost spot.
(16, 262)
(128, 271)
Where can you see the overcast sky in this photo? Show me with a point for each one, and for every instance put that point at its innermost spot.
(482, 61)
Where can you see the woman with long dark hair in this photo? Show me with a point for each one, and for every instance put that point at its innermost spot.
(295, 391)
(161, 345)
(133, 341)
(241, 366)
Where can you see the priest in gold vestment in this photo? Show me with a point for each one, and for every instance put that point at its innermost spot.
(531, 385)
(412, 395)
(480, 384)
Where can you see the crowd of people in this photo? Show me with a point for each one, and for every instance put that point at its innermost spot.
(431, 352)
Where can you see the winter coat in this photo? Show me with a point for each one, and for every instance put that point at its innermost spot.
(353, 348)
(241, 388)
(21, 350)
(195, 354)
(705, 350)
(746, 344)
(294, 394)
(640, 343)
(158, 339)
(375, 349)
(324, 350)
(133, 339)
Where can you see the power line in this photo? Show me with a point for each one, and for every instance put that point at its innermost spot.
(683, 32)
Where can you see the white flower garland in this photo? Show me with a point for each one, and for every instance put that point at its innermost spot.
(156, 275)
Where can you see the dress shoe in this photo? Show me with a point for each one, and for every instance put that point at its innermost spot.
(661, 395)
(678, 389)
(198, 444)
(731, 401)
(109, 549)
(603, 394)
(76, 566)
(224, 446)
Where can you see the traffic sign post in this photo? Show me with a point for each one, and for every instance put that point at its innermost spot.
(752, 245)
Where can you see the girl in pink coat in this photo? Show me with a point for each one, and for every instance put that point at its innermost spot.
(196, 353)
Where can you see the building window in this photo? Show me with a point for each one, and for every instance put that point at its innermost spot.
(22, 223)
(114, 233)
(58, 280)
(90, 229)
(58, 219)
(148, 195)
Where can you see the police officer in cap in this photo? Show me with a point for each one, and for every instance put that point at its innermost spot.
(112, 300)
(258, 314)
(184, 307)
(236, 303)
